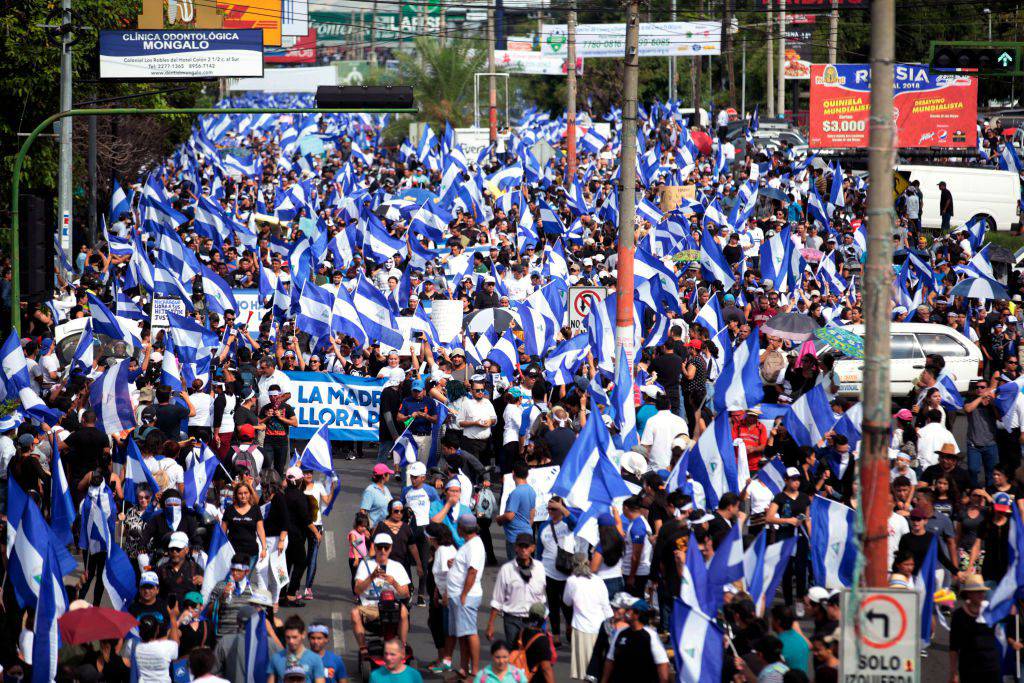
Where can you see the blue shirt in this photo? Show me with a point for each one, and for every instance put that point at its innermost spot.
(334, 668)
(521, 501)
(375, 502)
(309, 661)
(451, 519)
(420, 426)
(408, 675)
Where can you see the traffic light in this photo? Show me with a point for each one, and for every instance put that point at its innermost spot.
(364, 97)
(979, 59)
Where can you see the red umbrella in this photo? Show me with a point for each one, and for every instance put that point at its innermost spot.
(94, 623)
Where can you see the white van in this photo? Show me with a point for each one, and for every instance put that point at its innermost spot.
(985, 192)
(910, 343)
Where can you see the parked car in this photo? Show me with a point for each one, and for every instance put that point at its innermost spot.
(910, 343)
(977, 192)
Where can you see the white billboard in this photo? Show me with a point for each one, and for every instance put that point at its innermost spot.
(660, 39)
(153, 54)
(534, 63)
(289, 79)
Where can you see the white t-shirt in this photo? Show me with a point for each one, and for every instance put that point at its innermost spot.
(475, 410)
(49, 363)
(898, 527)
(153, 660)
(203, 404)
(638, 532)
(264, 384)
(418, 500)
(393, 375)
(588, 597)
(470, 556)
(513, 419)
(443, 555)
(547, 542)
(660, 430)
(393, 569)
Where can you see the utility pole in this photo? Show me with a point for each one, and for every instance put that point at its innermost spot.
(833, 32)
(492, 85)
(780, 89)
(874, 451)
(570, 74)
(672, 67)
(64, 200)
(743, 79)
(769, 68)
(627, 185)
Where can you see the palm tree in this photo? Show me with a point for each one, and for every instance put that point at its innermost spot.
(442, 75)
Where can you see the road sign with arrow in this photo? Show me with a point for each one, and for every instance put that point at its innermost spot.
(975, 58)
(880, 636)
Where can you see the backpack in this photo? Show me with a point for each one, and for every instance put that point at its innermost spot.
(243, 462)
(772, 366)
(517, 657)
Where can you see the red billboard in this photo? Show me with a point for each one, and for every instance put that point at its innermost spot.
(302, 52)
(931, 110)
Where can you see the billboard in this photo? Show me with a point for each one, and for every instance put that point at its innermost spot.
(523, 62)
(294, 18)
(303, 51)
(661, 39)
(799, 44)
(261, 14)
(176, 54)
(360, 28)
(179, 14)
(930, 110)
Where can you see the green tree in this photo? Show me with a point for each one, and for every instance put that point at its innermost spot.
(442, 76)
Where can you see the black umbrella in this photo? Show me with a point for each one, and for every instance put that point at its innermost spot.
(481, 321)
(796, 327)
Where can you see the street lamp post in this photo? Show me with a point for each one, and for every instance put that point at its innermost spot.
(988, 13)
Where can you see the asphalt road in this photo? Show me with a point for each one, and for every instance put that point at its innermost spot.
(333, 599)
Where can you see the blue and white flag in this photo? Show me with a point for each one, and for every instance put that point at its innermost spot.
(592, 142)
(1008, 159)
(404, 452)
(764, 566)
(106, 323)
(811, 416)
(52, 604)
(316, 455)
(710, 316)
(119, 578)
(1011, 587)
(698, 645)
(713, 461)
(218, 561)
(562, 362)
(110, 399)
(257, 654)
(623, 402)
(62, 507)
(833, 543)
(725, 566)
(588, 475)
(199, 477)
(120, 203)
(924, 584)
(739, 385)
(951, 398)
(773, 475)
(135, 472)
(315, 310)
(27, 540)
(219, 297)
(713, 265)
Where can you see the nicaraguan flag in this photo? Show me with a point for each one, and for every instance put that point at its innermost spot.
(924, 584)
(1011, 587)
(317, 453)
(62, 508)
(199, 477)
(111, 401)
(218, 561)
(52, 604)
(833, 543)
(811, 416)
(697, 643)
(1008, 159)
(119, 578)
(256, 650)
(713, 461)
(135, 472)
(561, 364)
(713, 265)
(587, 475)
(710, 316)
(725, 567)
(764, 566)
(219, 296)
(405, 450)
(315, 310)
(27, 540)
(773, 475)
(623, 402)
(739, 385)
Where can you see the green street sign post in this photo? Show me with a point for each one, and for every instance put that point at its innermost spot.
(976, 58)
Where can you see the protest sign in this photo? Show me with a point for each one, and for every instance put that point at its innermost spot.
(447, 318)
(541, 480)
(248, 301)
(349, 404)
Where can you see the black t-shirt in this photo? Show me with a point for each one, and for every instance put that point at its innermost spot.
(559, 442)
(27, 471)
(537, 652)
(390, 400)
(790, 507)
(960, 476)
(242, 529)
(669, 367)
(277, 429)
(634, 660)
(977, 647)
(86, 454)
(169, 417)
(158, 610)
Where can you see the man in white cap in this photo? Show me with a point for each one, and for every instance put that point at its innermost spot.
(374, 577)
(180, 574)
(418, 498)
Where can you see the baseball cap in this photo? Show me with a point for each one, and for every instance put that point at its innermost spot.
(792, 473)
(246, 431)
(296, 672)
(380, 468)
(919, 513)
(524, 539)
(1002, 502)
(179, 539)
(418, 385)
(293, 472)
(149, 579)
(416, 469)
(193, 598)
(467, 521)
(640, 606)
(694, 344)
(383, 539)
(457, 352)
(818, 595)
(904, 414)
(26, 440)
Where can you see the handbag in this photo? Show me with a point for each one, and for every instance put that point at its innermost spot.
(563, 558)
